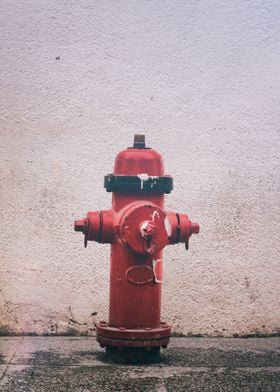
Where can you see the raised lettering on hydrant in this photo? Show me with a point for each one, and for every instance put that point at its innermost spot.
(138, 228)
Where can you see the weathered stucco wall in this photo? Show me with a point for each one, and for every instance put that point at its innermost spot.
(201, 80)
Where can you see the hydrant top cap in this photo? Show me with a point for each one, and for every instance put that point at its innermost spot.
(138, 169)
(139, 141)
(138, 160)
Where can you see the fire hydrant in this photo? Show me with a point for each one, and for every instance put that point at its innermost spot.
(138, 228)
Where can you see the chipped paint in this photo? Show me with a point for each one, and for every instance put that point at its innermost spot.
(157, 268)
(155, 214)
(143, 228)
(167, 226)
(143, 177)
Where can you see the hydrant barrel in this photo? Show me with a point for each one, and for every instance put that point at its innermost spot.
(138, 181)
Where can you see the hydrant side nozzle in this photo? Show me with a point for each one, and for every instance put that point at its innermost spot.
(195, 228)
(97, 226)
(82, 226)
(181, 228)
(79, 225)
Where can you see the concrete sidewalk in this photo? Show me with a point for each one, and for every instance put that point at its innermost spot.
(189, 364)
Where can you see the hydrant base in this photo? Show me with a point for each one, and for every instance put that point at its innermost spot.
(133, 355)
(136, 337)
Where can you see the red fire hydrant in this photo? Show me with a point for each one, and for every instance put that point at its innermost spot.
(138, 228)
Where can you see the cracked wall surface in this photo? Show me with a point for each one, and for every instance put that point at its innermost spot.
(201, 80)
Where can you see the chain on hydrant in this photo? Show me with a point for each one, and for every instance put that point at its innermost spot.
(138, 228)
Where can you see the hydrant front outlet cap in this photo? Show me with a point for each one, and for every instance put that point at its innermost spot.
(138, 228)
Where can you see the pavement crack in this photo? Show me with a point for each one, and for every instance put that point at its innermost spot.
(163, 386)
(9, 362)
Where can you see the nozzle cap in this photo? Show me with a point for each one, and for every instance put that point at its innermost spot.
(79, 225)
(194, 228)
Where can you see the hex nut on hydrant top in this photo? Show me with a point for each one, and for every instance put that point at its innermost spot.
(138, 228)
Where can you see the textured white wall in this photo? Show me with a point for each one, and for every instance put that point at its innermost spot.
(201, 80)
